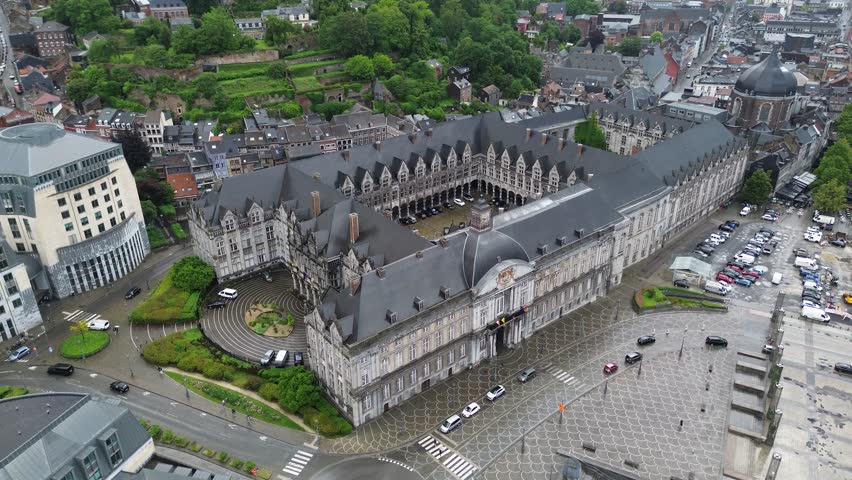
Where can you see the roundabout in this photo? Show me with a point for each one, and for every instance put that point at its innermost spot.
(227, 327)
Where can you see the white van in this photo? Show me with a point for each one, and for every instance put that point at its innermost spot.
(280, 358)
(745, 211)
(717, 287)
(815, 314)
(745, 258)
(776, 278)
(450, 424)
(805, 262)
(824, 219)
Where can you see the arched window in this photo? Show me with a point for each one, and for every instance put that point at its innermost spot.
(764, 112)
(738, 105)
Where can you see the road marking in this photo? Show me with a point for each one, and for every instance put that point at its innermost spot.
(145, 394)
(8, 371)
(298, 462)
(174, 404)
(456, 464)
(93, 375)
(263, 438)
(32, 368)
(390, 460)
(232, 426)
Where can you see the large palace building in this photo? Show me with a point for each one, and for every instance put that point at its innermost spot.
(394, 313)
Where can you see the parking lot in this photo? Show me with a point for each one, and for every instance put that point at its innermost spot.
(451, 217)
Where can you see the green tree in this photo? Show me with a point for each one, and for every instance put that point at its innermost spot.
(153, 29)
(756, 16)
(102, 51)
(452, 19)
(830, 197)
(843, 123)
(630, 46)
(278, 31)
(382, 65)
(757, 188)
(217, 34)
(136, 151)
(389, 26)
(277, 70)
(161, 193)
(589, 133)
(618, 6)
(291, 110)
(582, 7)
(81, 327)
(297, 389)
(419, 17)
(347, 34)
(360, 67)
(149, 211)
(200, 7)
(656, 37)
(835, 163)
(192, 274)
(572, 34)
(84, 16)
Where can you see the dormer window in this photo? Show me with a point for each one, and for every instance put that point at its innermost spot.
(420, 171)
(228, 224)
(366, 186)
(403, 176)
(255, 216)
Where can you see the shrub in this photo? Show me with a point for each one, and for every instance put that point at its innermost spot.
(195, 447)
(223, 457)
(156, 237)
(5, 390)
(142, 422)
(249, 466)
(237, 463)
(214, 370)
(209, 453)
(167, 437)
(178, 231)
(155, 431)
(248, 382)
(268, 391)
(168, 211)
(264, 474)
(181, 442)
(192, 363)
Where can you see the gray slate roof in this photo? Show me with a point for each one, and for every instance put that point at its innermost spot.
(29, 150)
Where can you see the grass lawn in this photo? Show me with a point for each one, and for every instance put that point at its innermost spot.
(9, 392)
(242, 70)
(167, 303)
(306, 84)
(246, 87)
(156, 237)
(307, 53)
(235, 400)
(78, 346)
(307, 69)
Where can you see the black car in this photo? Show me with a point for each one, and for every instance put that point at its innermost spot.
(217, 304)
(119, 387)
(733, 223)
(681, 283)
(298, 358)
(63, 369)
(843, 368)
(632, 357)
(726, 228)
(646, 340)
(839, 243)
(714, 340)
(769, 231)
(132, 292)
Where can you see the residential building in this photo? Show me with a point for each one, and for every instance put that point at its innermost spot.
(53, 177)
(167, 9)
(252, 27)
(672, 20)
(70, 436)
(21, 275)
(53, 39)
(153, 125)
(460, 90)
(297, 14)
(490, 95)
(9, 117)
(591, 69)
(629, 132)
(824, 32)
(395, 314)
(185, 187)
(695, 113)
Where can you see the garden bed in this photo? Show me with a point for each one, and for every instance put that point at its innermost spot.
(156, 237)
(84, 346)
(169, 302)
(671, 298)
(269, 320)
(9, 392)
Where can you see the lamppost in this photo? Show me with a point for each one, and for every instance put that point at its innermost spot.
(129, 365)
(316, 430)
(606, 385)
(186, 389)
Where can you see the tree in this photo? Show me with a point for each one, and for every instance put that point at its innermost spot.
(596, 37)
(347, 34)
(149, 211)
(389, 26)
(843, 124)
(589, 133)
(102, 51)
(572, 34)
(757, 188)
(297, 389)
(200, 7)
(153, 29)
(582, 7)
(360, 67)
(277, 70)
(382, 65)
(656, 37)
(835, 163)
(291, 110)
(452, 19)
(136, 151)
(630, 46)
(81, 327)
(755, 16)
(278, 30)
(84, 16)
(217, 34)
(618, 6)
(830, 196)
(192, 274)
(161, 193)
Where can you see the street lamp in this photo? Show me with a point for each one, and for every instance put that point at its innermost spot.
(129, 365)
(316, 429)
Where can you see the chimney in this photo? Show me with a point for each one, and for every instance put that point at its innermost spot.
(419, 254)
(354, 285)
(444, 292)
(315, 204)
(561, 144)
(346, 155)
(418, 303)
(412, 137)
(443, 242)
(380, 272)
(579, 232)
(353, 228)
(580, 149)
(429, 132)
(378, 145)
(589, 177)
(543, 138)
(529, 134)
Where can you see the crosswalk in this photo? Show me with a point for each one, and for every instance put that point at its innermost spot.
(78, 315)
(298, 462)
(459, 466)
(564, 377)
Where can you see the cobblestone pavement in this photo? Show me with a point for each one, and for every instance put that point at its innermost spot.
(227, 327)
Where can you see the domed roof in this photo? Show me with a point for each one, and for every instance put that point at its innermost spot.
(484, 250)
(767, 79)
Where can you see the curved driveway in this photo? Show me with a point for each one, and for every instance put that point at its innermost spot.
(227, 328)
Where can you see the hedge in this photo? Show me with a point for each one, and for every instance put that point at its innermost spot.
(178, 232)
(79, 346)
(156, 237)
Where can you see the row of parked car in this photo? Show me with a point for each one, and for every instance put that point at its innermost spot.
(812, 289)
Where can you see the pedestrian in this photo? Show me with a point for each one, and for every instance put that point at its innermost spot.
(667, 332)
(233, 412)
(223, 402)
(160, 369)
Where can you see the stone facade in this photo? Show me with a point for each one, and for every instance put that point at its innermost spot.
(628, 131)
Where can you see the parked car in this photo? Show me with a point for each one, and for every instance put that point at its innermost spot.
(217, 304)
(646, 340)
(118, 386)
(847, 297)
(467, 197)
(714, 340)
(811, 304)
(733, 223)
(731, 273)
(470, 410)
(458, 202)
(843, 368)
(839, 242)
(768, 348)
(759, 269)
(450, 424)
(526, 375)
(724, 278)
(132, 293)
(267, 357)
(769, 217)
(228, 293)
(64, 369)
(632, 357)
(98, 324)
(743, 281)
(753, 276)
(298, 358)
(19, 353)
(726, 228)
(267, 277)
(611, 367)
(681, 283)
(496, 392)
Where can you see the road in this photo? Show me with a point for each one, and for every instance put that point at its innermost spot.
(692, 73)
(6, 57)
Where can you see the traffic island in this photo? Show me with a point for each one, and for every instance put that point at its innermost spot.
(84, 345)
